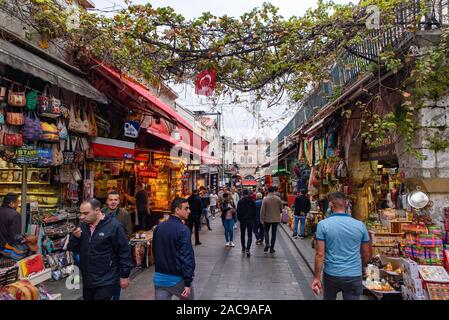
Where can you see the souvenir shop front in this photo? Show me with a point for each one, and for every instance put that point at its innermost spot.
(47, 117)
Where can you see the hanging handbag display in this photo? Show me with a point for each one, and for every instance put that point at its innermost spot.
(93, 129)
(3, 89)
(32, 130)
(77, 176)
(68, 151)
(50, 132)
(44, 156)
(14, 118)
(57, 155)
(16, 98)
(78, 156)
(83, 127)
(65, 175)
(12, 139)
(26, 154)
(73, 123)
(31, 104)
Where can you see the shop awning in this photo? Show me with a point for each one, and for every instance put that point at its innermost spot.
(249, 183)
(266, 164)
(28, 62)
(113, 149)
(144, 92)
(209, 160)
(315, 126)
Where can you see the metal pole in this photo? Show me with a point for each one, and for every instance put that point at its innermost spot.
(24, 198)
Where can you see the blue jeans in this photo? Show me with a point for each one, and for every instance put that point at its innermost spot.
(229, 229)
(298, 219)
(351, 287)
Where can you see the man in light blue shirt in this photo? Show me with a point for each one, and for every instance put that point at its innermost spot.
(343, 245)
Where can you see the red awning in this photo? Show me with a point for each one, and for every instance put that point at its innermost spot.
(209, 160)
(113, 149)
(249, 183)
(145, 93)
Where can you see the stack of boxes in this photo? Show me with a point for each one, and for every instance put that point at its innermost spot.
(424, 244)
(413, 286)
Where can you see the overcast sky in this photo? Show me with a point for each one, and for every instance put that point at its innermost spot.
(238, 123)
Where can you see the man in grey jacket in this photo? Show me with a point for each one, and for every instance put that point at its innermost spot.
(270, 217)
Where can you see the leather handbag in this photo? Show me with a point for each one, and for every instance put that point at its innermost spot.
(93, 129)
(83, 123)
(57, 155)
(32, 130)
(50, 132)
(65, 176)
(73, 123)
(15, 118)
(16, 98)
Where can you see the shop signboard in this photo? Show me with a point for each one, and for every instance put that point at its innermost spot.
(148, 174)
(214, 181)
(213, 169)
(132, 129)
(204, 169)
(384, 152)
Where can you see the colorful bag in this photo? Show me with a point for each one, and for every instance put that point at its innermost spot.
(44, 157)
(68, 151)
(32, 130)
(65, 176)
(62, 129)
(26, 154)
(83, 122)
(31, 98)
(34, 264)
(73, 122)
(16, 98)
(3, 105)
(23, 290)
(14, 118)
(11, 139)
(78, 156)
(50, 132)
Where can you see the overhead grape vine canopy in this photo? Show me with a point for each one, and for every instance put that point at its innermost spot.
(260, 52)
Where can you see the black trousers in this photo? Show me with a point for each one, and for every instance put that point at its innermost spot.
(246, 226)
(99, 293)
(274, 227)
(195, 220)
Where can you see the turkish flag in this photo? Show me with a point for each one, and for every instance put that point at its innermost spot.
(205, 83)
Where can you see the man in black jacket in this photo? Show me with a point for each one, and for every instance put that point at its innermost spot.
(105, 255)
(302, 208)
(173, 255)
(196, 210)
(246, 213)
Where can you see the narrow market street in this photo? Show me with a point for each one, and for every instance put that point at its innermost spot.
(224, 273)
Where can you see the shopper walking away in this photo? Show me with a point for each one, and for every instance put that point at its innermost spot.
(343, 246)
(196, 210)
(246, 213)
(228, 216)
(259, 230)
(213, 203)
(270, 217)
(206, 202)
(235, 200)
(174, 258)
(105, 255)
(302, 208)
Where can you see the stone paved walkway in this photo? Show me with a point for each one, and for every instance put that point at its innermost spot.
(225, 273)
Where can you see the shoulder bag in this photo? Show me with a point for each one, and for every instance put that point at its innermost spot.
(16, 98)
(57, 155)
(68, 151)
(14, 118)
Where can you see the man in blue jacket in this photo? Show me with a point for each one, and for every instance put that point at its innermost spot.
(174, 258)
(105, 255)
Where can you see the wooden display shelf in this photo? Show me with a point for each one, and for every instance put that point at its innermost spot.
(36, 193)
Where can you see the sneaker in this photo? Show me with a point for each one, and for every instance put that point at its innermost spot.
(243, 250)
(228, 244)
(248, 254)
(232, 244)
(294, 236)
(266, 249)
(302, 238)
(272, 250)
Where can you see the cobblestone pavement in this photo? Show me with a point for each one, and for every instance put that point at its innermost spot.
(225, 273)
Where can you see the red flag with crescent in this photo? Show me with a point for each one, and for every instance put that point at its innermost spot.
(205, 82)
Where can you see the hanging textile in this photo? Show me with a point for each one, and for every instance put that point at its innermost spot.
(310, 151)
(301, 151)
